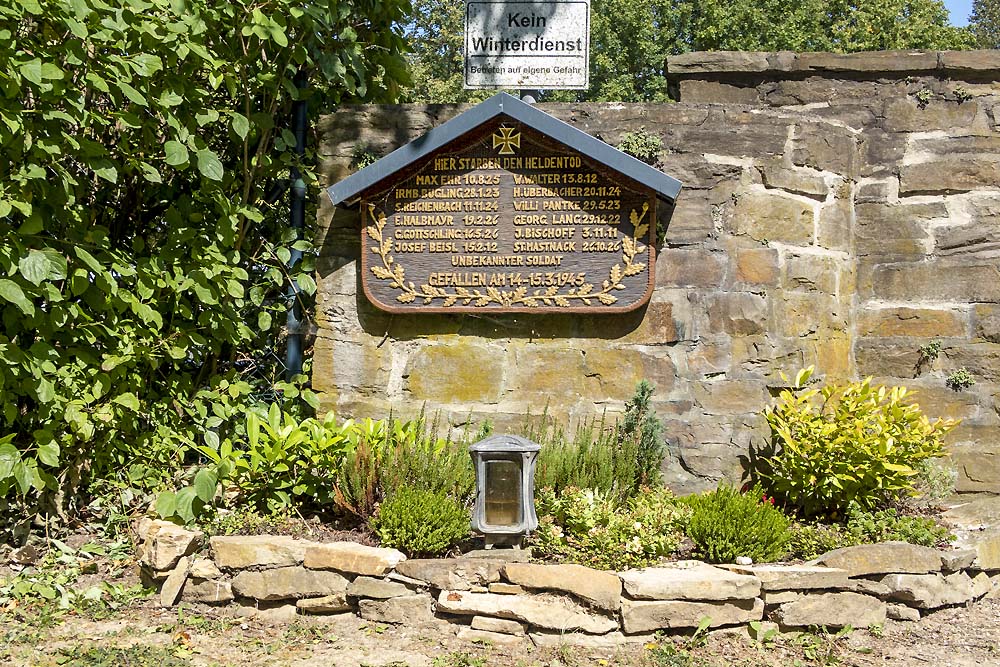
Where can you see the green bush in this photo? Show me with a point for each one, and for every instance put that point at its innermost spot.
(143, 259)
(583, 526)
(726, 523)
(615, 460)
(420, 522)
(642, 145)
(846, 444)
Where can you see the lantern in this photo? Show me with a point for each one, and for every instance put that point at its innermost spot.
(505, 488)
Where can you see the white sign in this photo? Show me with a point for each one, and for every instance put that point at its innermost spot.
(527, 45)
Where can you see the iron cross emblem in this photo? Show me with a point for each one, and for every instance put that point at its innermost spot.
(507, 140)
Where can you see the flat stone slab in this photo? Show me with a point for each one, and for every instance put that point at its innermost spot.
(646, 616)
(689, 580)
(352, 558)
(328, 604)
(287, 583)
(485, 636)
(455, 574)
(413, 610)
(505, 555)
(599, 588)
(794, 577)
(884, 558)
(237, 552)
(831, 610)
(929, 591)
(171, 589)
(369, 587)
(579, 639)
(547, 611)
(165, 543)
(502, 625)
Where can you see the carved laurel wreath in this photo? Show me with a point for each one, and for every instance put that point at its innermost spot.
(409, 292)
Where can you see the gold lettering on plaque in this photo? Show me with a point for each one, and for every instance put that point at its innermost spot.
(562, 288)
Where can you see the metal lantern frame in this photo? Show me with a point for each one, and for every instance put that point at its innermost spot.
(498, 449)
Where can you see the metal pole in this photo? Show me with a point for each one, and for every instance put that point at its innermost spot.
(297, 217)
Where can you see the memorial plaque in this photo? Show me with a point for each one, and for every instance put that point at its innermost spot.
(508, 220)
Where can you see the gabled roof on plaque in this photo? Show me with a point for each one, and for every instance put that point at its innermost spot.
(348, 190)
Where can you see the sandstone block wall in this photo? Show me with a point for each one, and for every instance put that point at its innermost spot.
(837, 210)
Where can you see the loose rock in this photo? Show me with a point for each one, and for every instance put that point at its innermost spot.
(413, 610)
(166, 543)
(237, 552)
(207, 591)
(288, 583)
(171, 589)
(503, 625)
(794, 577)
(929, 591)
(368, 587)
(328, 604)
(833, 610)
(643, 616)
(885, 558)
(456, 574)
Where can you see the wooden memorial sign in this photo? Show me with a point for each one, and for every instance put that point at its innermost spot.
(504, 219)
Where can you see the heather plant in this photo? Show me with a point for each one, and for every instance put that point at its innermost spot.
(839, 445)
(725, 524)
(421, 522)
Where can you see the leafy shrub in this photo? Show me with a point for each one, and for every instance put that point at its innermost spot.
(615, 460)
(583, 526)
(642, 145)
(726, 523)
(421, 522)
(143, 257)
(846, 444)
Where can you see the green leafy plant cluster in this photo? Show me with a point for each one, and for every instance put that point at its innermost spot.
(143, 257)
(725, 524)
(960, 379)
(617, 460)
(642, 145)
(848, 444)
(421, 522)
(583, 526)
(810, 540)
(319, 465)
(888, 525)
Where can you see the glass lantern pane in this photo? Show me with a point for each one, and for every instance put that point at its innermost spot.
(503, 493)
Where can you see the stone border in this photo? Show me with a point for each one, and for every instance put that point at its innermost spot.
(495, 596)
(780, 63)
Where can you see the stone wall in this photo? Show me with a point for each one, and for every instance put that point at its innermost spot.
(838, 210)
(498, 596)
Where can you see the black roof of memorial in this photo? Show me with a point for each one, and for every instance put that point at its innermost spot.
(502, 104)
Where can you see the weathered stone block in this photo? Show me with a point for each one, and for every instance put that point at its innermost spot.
(797, 180)
(207, 591)
(949, 174)
(869, 61)
(765, 216)
(204, 568)
(352, 558)
(486, 637)
(689, 580)
(328, 604)
(913, 322)
(601, 589)
(457, 574)
(287, 583)
(458, 371)
(827, 148)
(939, 279)
(174, 583)
(834, 228)
(714, 92)
(411, 610)
(831, 610)
(606, 641)
(887, 557)
(369, 587)
(238, 552)
(736, 313)
(730, 396)
(986, 318)
(798, 314)
(545, 611)
(645, 616)
(812, 273)
(793, 577)
(909, 115)
(164, 544)
(690, 268)
(895, 229)
(717, 61)
(929, 591)
(501, 625)
(757, 266)
(900, 612)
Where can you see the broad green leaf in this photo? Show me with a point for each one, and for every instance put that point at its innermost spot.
(150, 173)
(131, 93)
(209, 165)
(176, 152)
(241, 126)
(9, 456)
(128, 400)
(186, 504)
(34, 267)
(88, 260)
(204, 484)
(264, 320)
(32, 71)
(45, 391)
(106, 170)
(306, 283)
(12, 292)
(166, 504)
(49, 454)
